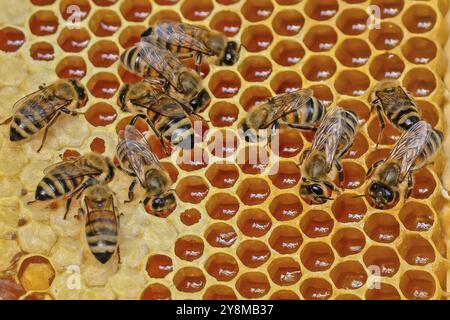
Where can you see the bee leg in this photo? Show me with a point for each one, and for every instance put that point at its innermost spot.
(31, 202)
(69, 201)
(49, 124)
(6, 121)
(198, 62)
(71, 112)
(118, 255)
(382, 124)
(373, 167)
(130, 191)
(410, 186)
(340, 170)
(185, 55)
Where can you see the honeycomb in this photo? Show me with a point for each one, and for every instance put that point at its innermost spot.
(240, 230)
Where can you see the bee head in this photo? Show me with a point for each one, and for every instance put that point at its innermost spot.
(314, 191)
(162, 204)
(201, 101)
(231, 54)
(97, 195)
(122, 96)
(81, 92)
(382, 195)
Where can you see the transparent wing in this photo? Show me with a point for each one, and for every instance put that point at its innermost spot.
(409, 146)
(160, 59)
(182, 34)
(328, 134)
(69, 170)
(42, 101)
(138, 152)
(287, 103)
(164, 105)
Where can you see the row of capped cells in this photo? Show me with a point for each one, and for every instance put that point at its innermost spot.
(36, 273)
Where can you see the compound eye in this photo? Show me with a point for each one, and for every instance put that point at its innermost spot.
(195, 103)
(388, 195)
(157, 203)
(315, 188)
(374, 188)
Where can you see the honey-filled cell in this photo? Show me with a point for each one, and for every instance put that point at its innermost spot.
(223, 114)
(253, 253)
(316, 223)
(197, 10)
(222, 266)
(104, 23)
(285, 239)
(189, 247)
(321, 10)
(221, 235)
(320, 38)
(288, 22)
(416, 216)
(416, 250)
(387, 37)
(353, 52)
(417, 285)
(253, 285)
(255, 68)
(419, 18)
(257, 10)
(254, 222)
(136, 10)
(71, 41)
(36, 273)
(385, 259)
(317, 256)
(222, 175)
(219, 292)
(189, 280)
(226, 22)
(159, 266)
(383, 292)
(316, 289)
(74, 9)
(286, 207)
(222, 206)
(256, 38)
(349, 275)
(156, 291)
(43, 23)
(287, 53)
(71, 67)
(284, 271)
(382, 227)
(11, 39)
(42, 51)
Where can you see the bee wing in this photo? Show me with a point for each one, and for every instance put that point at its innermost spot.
(138, 152)
(287, 103)
(166, 106)
(328, 134)
(45, 103)
(410, 145)
(181, 34)
(69, 170)
(158, 58)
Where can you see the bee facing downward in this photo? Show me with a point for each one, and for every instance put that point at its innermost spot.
(299, 109)
(186, 40)
(69, 178)
(331, 141)
(396, 103)
(41, 109)
(102, 222)
(414, 150)
(138, 160)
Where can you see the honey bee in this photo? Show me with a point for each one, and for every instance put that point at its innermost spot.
(331, 141)
(396, 103)
(41, 109)
(102, 222)
(138, 160)
(299, 109)
(186, 40)
(415, 149)
(142, 97)
(70, 177)
(160, 67)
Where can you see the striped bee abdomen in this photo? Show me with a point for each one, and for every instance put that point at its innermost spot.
(27, 121)
(178, 131)
(55, 186)
(102, 234)
(311, 114)
(404, 116)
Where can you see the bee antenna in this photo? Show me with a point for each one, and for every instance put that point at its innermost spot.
(360, 196)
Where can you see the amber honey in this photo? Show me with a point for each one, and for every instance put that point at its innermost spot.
(240, 229)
